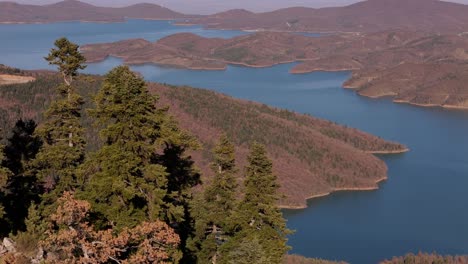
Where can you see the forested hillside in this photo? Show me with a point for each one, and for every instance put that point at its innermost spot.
(323, 156)
(130, 198)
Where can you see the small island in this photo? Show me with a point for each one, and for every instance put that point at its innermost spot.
(419, 68)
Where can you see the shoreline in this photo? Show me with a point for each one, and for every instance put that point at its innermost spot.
(293, 71)
(120, 20)
(182, 24)
(333, 191)
(432, 105)
(405, 150)
(399, 101)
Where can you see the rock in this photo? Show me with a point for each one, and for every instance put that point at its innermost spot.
(9, 245)
(39, 257)
(3, 250)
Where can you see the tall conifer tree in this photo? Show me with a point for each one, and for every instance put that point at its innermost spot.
(142, 172)
(21, 148)
(182, 176)
(125, 186)
(259, 218)
(4, 175)
(214, 211)
(62, 134)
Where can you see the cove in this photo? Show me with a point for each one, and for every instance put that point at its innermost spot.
(422, 207)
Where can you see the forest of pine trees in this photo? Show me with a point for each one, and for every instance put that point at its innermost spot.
(133, 200)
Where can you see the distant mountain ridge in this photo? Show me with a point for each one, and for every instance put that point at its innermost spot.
(366, 16)
(73, 10)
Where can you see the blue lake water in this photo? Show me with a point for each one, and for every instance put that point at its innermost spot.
(25, 45)
(423, 205)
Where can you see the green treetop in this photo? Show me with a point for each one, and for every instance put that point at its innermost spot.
(125, 186)
(259, 218)
(67, 57)
(141, 173)
(214, 211)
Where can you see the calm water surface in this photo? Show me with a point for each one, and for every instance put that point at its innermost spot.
(423, 205)
(25, 45)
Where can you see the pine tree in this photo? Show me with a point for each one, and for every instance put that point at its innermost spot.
(215, 209)
(142, 172)
(181, 178)
(4, 175)
(67, 57)
(258, 216)
(62, 134)
(124, 185)
(22, 147)
(249, 250)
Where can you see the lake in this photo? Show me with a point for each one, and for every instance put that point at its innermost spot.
(423, 205)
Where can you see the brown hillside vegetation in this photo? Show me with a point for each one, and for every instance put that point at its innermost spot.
(423, 258)
(366, 16)
(72, 10)
(323, 157)
(414, 67)
(432, 84)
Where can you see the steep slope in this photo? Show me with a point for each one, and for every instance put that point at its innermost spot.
(323, 157)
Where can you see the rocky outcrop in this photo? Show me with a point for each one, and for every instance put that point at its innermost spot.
(10, 254)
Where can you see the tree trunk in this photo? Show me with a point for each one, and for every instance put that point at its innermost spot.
(68, 82)
(215, 232)
(70, 138)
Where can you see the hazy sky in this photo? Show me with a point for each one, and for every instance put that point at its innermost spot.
(212, 6)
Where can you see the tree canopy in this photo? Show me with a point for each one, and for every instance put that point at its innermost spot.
(258, 218)
(132, 199)
(67, 57)
(214, 210)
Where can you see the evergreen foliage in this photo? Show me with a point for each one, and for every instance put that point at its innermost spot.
(248, 250)
(124, 185)
(182, 177)
(4, 175)
(142, 172)
(63, 148)
(67, 57)
(258, 217)
(22, 147)
(136, 195)
(215, 209)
